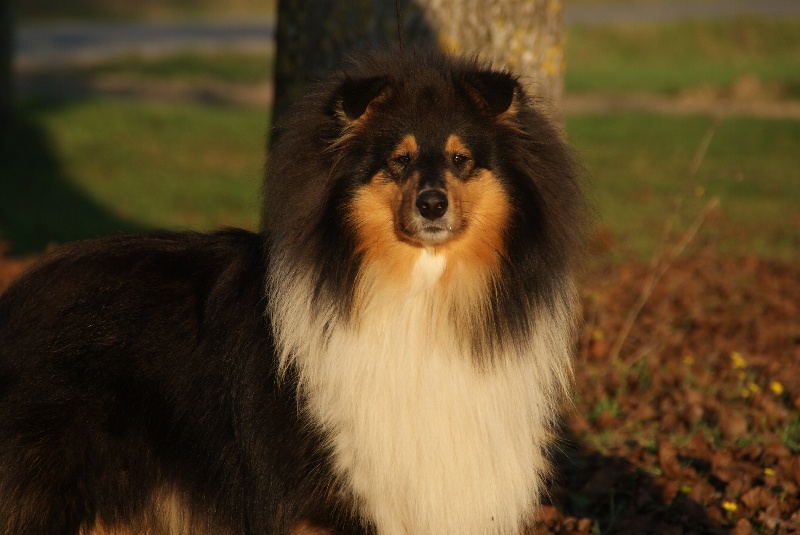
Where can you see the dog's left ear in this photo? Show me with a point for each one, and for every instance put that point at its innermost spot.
(355, 96)
(492, 90)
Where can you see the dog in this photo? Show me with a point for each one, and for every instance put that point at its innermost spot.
(390, 355)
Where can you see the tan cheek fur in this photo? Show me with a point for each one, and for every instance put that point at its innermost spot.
(474, 252)
(372, 212)
(483, 208)
(485, 211)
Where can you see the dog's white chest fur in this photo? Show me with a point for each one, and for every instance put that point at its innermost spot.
(429, 442)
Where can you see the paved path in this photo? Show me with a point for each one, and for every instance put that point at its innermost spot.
(56, 44)
(87, 42)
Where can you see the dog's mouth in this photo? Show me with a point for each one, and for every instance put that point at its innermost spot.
(434, 234)
(418, 229)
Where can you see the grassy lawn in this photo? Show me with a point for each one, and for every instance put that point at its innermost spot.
(99, 166)
(639, 163)
(142, 164)
(189, 165)
(638, 166)
(223, 66)
(675, 57)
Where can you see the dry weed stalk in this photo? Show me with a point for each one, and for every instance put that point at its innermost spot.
(666, 253)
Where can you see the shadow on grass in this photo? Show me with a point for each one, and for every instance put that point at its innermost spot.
(607, 494)
(39, 204)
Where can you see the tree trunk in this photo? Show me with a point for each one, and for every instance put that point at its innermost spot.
(527, 36)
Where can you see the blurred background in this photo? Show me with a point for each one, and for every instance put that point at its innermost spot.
(119, 115)
(133, 115)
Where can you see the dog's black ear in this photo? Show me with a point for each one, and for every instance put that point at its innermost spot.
(495, 90)
(356, 95)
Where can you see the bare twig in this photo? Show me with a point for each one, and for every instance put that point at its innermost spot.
(691, 173)
(665, 255)
(658, 270)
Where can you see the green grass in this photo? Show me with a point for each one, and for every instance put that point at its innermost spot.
(172, 165)
(669, 58)
(224, 66)
(791, 434)
(637, 164)
(100, 166)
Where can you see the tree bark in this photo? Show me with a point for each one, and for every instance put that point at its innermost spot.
(527, 36)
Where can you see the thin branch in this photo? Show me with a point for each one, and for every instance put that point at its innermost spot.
(665, 256)
(655, 274)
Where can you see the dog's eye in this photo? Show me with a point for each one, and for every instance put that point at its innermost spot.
(402, 160)
(460, 159)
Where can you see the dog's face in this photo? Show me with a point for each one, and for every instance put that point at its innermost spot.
(432, 194)
(432, 182)
(421, 186)
(433, 189)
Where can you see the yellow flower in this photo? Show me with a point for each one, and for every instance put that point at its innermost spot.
(688, 360)
(729, 506)
(754, 388)
(769, 472)
(686, 489)
(776, 388)
(737, 361)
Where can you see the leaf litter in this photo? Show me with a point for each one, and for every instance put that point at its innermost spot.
(694, 425)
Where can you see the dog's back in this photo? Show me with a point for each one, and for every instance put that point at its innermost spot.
(131, 371)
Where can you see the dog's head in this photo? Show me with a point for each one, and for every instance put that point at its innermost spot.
(430, 182)
(408, 152)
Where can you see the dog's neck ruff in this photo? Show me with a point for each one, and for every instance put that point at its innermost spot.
(428, 441)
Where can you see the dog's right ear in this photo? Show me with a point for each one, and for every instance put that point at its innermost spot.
(356, 96)
(494, 91)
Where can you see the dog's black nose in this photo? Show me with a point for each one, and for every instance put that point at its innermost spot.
(432, 204)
